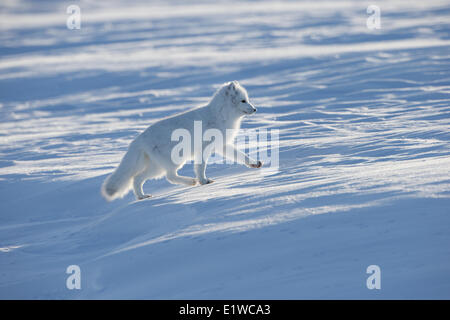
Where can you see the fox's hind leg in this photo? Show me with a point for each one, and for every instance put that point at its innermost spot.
(138, 182)
(174, 178)
(151, 171)
(164, 161)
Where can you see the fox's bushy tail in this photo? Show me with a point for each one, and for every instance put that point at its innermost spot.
(119, 182)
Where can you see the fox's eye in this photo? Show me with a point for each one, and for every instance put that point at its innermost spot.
(243, 101)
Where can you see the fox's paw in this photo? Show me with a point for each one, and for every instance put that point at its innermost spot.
(206, 181)
(145, 196)
(256, 165)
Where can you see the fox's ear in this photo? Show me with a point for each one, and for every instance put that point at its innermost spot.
(233, 84)
(231, 88)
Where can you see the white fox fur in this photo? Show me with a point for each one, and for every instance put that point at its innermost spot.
(149, 155)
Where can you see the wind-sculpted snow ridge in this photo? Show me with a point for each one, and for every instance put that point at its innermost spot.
(364, 131)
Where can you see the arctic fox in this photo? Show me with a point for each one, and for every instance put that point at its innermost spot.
(149, 156)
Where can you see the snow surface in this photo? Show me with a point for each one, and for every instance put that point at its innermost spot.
(364, 175)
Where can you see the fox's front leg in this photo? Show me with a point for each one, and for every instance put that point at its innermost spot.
(229, 151)
(200, 171)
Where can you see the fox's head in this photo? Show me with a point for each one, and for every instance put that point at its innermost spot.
(238, 97)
